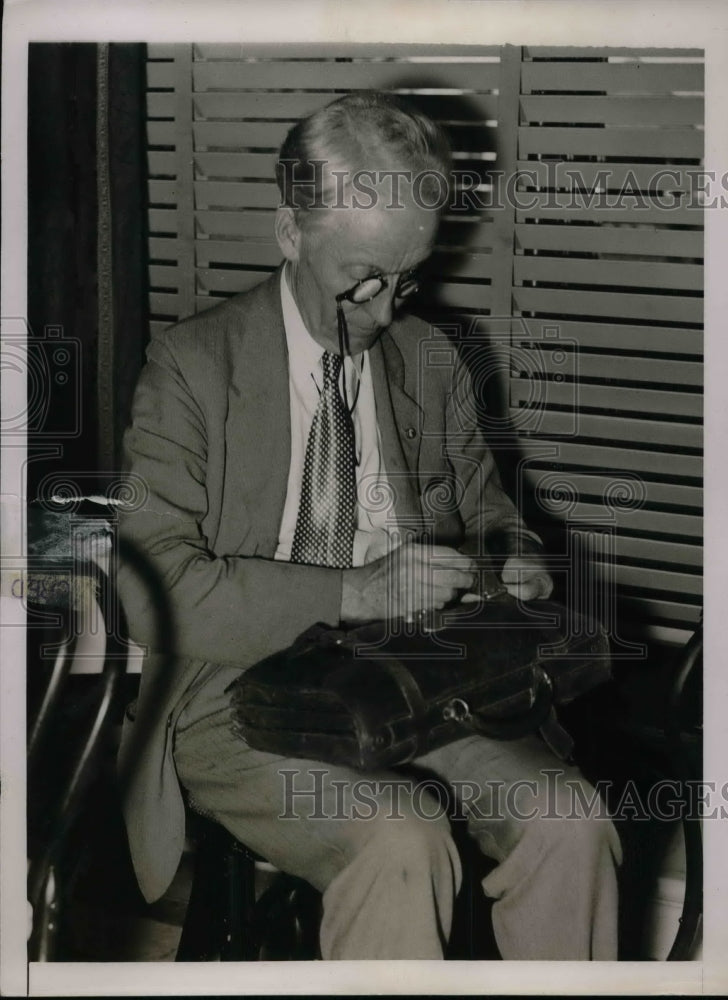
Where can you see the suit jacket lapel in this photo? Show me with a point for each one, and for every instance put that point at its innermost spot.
(400, 423)
(259, 421)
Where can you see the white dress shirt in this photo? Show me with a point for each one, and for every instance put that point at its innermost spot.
(376, 530)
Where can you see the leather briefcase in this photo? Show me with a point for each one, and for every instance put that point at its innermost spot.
(383, 693)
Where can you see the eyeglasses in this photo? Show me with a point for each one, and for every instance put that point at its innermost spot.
(364, 291)
(368, 288)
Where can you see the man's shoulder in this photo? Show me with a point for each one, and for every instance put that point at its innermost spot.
(220, 331)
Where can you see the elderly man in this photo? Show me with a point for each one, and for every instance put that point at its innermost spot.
(265, 430)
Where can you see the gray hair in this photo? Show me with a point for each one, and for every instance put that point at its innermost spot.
(363, 132)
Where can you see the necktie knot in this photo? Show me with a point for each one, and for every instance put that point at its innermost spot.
(332, 367)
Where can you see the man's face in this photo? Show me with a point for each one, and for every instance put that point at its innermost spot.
(347, 245)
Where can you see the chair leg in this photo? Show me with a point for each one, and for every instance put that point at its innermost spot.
(288, 917)
(219, 924)
(202, 930)
(239, 930)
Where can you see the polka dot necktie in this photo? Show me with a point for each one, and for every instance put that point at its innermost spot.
(324, 533)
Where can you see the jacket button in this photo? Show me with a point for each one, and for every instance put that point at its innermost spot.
(411, 433)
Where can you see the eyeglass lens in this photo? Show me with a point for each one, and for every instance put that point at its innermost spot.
(371, 287)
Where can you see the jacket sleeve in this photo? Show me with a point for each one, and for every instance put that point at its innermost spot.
(491, 521)
(226, 608)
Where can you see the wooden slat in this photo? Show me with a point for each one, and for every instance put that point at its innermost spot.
(161, 133)
(647, 609)
(163, 248)
(162, 220)
(452, 262)
(303, 75)
(659, 308)
(252, 251)
(603, 240)
(613, 78)
(292, 106)
(160, 105)
(531, 52)
(650, 579)
(161, 164)
(610, 397)
(164, 192)
(609, 456)
(163, 276)
(643, 274)
(243, 225)
(458, 296)
(235, 165)
(230, 282)
(239, 135)
(622, 337)
(161, 50)
(473, 233)
(270, 135)
(346, 50)
(611, 429)
(619, 367)
(621, 178)
(643, 521)
(573, 207)
(613, 110)
(164, 304)
(233, 194)
(664, 143)
(287, 106)
(160, 75)
(647, 549)
(596, 484)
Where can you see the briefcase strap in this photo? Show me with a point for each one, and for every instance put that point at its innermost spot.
(413, 696)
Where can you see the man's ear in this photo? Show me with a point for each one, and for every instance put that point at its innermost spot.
(287, 232)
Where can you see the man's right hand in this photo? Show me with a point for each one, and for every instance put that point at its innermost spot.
(410, 579)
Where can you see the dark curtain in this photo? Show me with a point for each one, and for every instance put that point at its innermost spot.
(86, 256)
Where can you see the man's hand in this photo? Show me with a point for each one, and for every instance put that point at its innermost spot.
(410, 579)
(527, 578)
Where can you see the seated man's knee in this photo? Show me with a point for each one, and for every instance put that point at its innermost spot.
(578, 826)
(411, 847)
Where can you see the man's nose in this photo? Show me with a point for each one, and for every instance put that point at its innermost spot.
(381, 308)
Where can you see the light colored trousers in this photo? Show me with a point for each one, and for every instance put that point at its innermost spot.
(379, 845)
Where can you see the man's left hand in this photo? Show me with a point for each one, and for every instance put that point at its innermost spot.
(527, 578)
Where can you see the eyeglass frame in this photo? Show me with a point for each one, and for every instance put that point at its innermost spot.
(348, 295)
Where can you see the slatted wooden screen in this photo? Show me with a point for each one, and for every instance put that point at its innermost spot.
(216, 118)
(604, 385)
(618, 273)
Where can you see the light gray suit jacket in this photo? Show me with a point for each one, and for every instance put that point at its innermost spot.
(210, 437)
